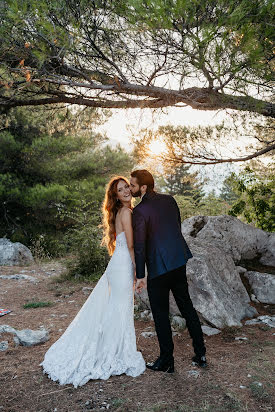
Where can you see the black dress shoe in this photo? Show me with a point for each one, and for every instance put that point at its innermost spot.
(199, 361)
(162, 365)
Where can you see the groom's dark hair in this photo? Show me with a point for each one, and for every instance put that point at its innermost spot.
(144, 178)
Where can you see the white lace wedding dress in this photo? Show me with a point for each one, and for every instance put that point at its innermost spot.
(101, 340)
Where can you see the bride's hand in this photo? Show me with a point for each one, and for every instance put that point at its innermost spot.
(140, 285)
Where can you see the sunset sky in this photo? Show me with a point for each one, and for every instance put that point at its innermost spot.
(125, 123)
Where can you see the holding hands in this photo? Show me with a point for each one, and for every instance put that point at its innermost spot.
(140, 284)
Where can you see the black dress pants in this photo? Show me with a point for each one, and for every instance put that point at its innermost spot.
(158, 292)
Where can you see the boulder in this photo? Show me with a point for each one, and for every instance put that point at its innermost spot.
(215, 288)
(29, 337)
(14, 254)
(239, 240)
(218, 244)
(26, 337)
(262, 285)
(210, 331)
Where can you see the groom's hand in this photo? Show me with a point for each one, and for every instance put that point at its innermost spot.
(140, 284)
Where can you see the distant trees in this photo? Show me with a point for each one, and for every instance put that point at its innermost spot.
(53, 171)
(255, 189)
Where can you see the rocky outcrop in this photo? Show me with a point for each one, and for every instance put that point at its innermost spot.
(14, 254)
(215, 287)
(239, 240)
(218, 244)
(262, 285)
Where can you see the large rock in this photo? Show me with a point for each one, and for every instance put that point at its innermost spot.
(215, 287)
(239, 240)
(29, 337)
(26, 337)
(262, 285)
(218, 244)
(14, 254)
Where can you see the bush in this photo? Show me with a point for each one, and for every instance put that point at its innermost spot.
(85, 238)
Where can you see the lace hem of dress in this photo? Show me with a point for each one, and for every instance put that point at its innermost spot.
(131, 367)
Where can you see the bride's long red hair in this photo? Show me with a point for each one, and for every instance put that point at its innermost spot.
(110, 208)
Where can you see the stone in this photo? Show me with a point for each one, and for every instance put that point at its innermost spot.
(241, 338)
(87, 290)
(264, 319)
(262, 285)
(4, 345)
(241, 270)
(145, 314)
(207, 330)
(239, 240)
(7, 329)
(150, 316)
(148, 334)
(20, 277)
(16, 341)
(193, 374)
(257, 383)
(253, 298)
(26, 337)
(29, 337)
(252, 322)
(215, 288)
(218, 244)
(14, 254)
(178, 322)
(268, 320)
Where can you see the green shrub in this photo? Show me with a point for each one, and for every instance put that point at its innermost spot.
(32, 305)
(85, 237)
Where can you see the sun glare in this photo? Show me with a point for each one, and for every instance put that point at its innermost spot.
(157, 147)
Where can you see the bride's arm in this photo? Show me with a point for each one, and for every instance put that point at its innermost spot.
(126, 220)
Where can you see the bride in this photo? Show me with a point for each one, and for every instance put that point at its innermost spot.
(101, 340)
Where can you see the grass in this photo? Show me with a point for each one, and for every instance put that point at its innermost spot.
(118, 402)
(259, 393)
(264, 327)
(229, 333)
(32, 305)
(228, 402)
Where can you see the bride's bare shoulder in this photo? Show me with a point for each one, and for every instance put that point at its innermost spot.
(126, 210)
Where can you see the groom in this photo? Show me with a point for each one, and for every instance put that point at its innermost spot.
(159, 243)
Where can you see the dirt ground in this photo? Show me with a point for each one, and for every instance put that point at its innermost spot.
(240, 376)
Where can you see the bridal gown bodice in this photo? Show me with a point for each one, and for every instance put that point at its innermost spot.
(101, 340)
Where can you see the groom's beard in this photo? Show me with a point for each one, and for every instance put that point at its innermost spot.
(136, 194)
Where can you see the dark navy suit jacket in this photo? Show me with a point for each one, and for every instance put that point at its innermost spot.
(158, 241)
